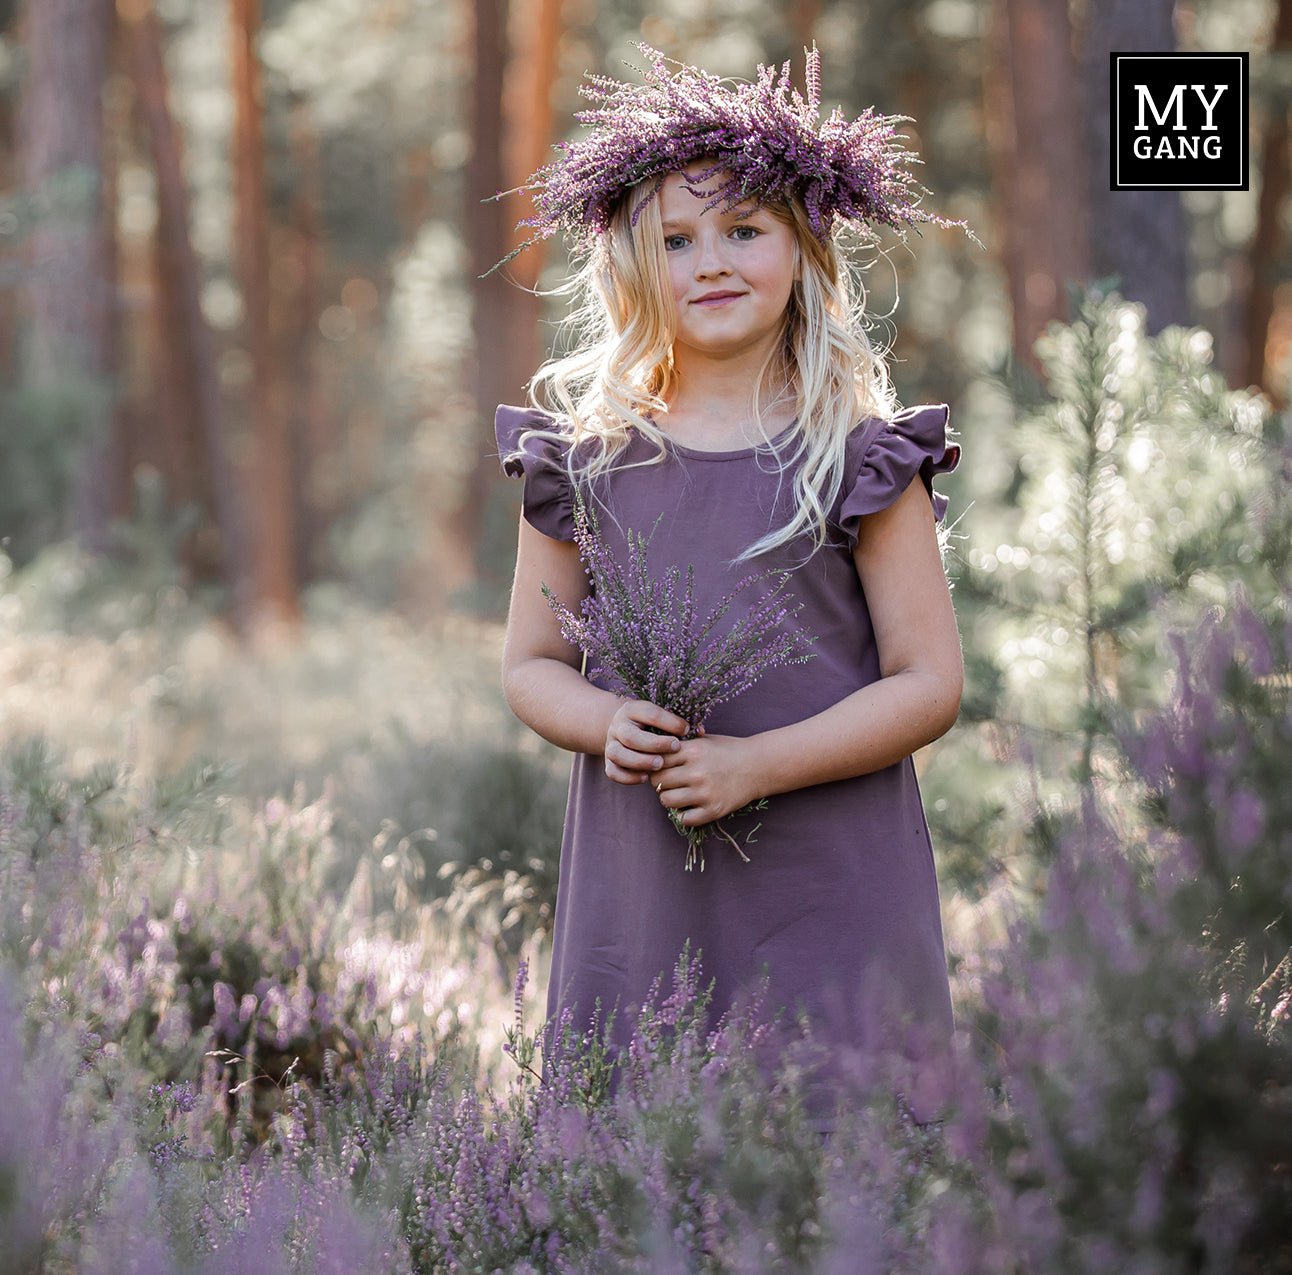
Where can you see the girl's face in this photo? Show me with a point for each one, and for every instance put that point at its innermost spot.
(731, 273)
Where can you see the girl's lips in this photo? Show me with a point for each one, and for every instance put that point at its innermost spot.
(716, 298)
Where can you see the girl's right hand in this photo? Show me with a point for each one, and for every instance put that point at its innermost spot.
(633, 753)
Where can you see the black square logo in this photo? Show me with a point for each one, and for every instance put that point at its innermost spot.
(1179, 121)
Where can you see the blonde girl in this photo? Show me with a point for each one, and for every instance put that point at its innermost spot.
(726, 397)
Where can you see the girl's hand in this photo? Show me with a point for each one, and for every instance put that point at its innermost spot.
(706, 778)
(633, 753)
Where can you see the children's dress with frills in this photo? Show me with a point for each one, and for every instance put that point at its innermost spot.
(838, 903)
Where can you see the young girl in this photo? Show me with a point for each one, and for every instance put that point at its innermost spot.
(728, 399)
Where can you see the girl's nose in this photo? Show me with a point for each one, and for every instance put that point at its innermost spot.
(710, 259)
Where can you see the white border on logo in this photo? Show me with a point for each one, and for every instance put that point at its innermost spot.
(1242, 164)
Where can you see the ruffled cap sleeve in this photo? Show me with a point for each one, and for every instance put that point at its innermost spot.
(548, 501)
(884, 456)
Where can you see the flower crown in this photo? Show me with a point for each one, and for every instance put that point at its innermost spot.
(766, 141)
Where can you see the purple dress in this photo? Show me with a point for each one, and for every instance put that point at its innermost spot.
(838, 903)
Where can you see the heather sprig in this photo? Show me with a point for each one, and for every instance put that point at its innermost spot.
(764, 140)
(641, 632)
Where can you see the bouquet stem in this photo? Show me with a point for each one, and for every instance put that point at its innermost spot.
(695, 837)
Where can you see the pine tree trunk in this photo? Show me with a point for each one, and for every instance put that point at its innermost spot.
(268, 478)
(105, 482)
(169, 430)
(70, 289)
(1138, 235)
(531, 75)
(532, 68)
(492, 294)
(1265, 250)
(8, 180)
(313, 443)
(188, 354)
(511, 137)
(1040, 162)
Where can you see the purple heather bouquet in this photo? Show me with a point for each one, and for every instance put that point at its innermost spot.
(641, 632)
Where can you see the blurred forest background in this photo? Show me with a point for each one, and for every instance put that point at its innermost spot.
(250, 354)
(265, 819)
(241, 245)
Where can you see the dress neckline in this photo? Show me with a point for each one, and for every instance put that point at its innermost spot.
(735, 453)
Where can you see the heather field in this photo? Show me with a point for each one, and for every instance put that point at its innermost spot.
(274, 917)
(278, 867)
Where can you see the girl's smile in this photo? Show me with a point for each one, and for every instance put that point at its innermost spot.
(711, 299)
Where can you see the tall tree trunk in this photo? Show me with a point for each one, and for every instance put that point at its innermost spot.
(172, 438)
(492, 293)
(105, 482)
(70, 292)
(9, 178)
(532, 68)
(1138, 235)
(190, 352)
(511, 135)
(531, 76)
(1040, 162)
(168, 434)
(312, 439)
(1264, 252)
(269, 475)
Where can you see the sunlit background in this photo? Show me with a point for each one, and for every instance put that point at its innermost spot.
(259, 791)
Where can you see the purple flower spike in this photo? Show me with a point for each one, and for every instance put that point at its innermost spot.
(765, 142)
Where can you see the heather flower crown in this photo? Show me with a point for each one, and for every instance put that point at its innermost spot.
(765, 139)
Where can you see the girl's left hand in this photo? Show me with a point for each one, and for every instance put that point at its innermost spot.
(706, 778)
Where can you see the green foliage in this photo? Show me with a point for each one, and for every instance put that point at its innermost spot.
(49, 798)
(482, 823)
(44, 431)
(173, 919)
(1141, 499)
(1143, 1032)
(509, 814)
(1142, 491)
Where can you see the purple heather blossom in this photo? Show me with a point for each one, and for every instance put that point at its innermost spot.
(642, 633)
(764, 140)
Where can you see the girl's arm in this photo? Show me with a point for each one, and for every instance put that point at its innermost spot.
(541, 677)
(915, 701)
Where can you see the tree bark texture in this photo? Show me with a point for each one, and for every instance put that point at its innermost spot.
(1139, 235)
(491, 378)
(189, 383)
(312, 442)
(531, 75)
(531, 59)
(1040, 162)
(70, 291)
(268, 475)
(8, 277)
(102, 490)
(1263, 256)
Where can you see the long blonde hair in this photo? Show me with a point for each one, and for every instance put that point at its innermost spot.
(621, 371)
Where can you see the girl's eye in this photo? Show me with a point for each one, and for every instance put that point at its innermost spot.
(673, 242)
(745, 233)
